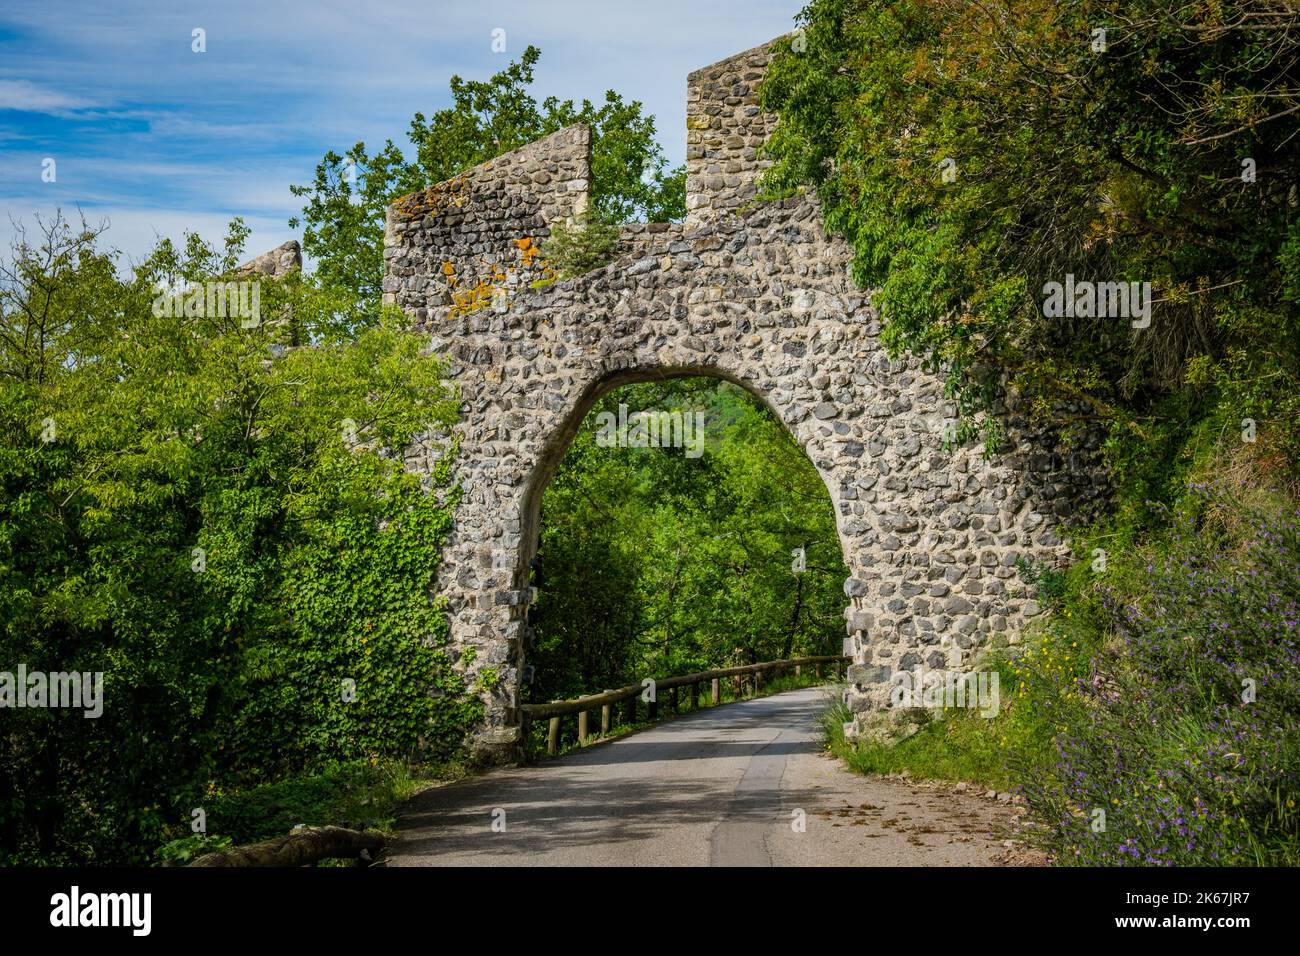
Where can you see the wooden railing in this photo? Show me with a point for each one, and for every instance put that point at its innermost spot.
(747, 674)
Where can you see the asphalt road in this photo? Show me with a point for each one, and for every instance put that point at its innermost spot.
(727, 786)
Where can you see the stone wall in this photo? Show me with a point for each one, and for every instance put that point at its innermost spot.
(276, 264)
(467, 242)
(635, 239)
(763, 299)
(724, 129)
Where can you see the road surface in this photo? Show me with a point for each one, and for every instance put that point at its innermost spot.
(726, 786)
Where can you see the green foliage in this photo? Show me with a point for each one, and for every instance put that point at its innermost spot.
(201, 530)
(1117, 164)
(658, 561)
(185, 850)
(1180, 716)
(1120, 160)
(344, 211)
(1049, 582)
(576, 249)
(358, 794)
(952, 745)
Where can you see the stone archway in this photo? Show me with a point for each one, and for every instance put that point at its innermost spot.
(553, 451)
(554, 448)
(753, 292)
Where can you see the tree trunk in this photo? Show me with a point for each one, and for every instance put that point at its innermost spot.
(794, 618)
(299, 848)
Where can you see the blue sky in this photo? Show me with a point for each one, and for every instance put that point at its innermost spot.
(157, 139)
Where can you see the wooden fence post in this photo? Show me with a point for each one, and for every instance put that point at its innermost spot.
(605, 718)
(758, 681)
(553, 736)
(715, 692)
(582, 728)
(675, 700)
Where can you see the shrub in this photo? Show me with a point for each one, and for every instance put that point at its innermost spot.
(200, 530)
(1183, 729)
(576, 248)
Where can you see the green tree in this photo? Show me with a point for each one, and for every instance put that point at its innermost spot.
(1101, 139)
(343, 217)
(219, 532)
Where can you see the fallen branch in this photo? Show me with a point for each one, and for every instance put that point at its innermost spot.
(300, 848)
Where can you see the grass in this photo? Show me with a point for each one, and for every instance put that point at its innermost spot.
(958, 747)
(954, 745)
(358, 795)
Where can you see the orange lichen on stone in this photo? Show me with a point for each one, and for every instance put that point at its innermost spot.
(481, 295)
(492, 286)
(531, 252)
(432, 200)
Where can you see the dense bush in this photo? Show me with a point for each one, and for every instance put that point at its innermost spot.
(973, 153)
(1183, 727)
(219, 531)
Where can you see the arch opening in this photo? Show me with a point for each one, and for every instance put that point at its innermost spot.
(717, 543)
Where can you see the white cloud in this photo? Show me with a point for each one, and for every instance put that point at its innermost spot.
(27, 97)
(280, 85)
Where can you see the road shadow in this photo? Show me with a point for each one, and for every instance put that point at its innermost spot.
(583, 799)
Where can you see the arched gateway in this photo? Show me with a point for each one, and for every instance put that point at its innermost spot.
(755, 293)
